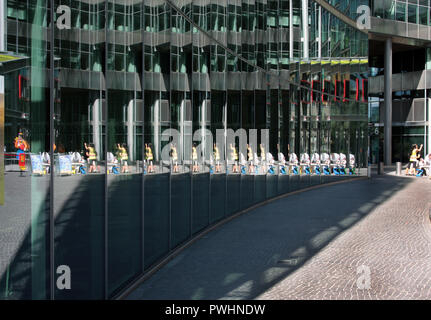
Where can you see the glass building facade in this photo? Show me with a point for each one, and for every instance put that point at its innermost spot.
(129, 72)
(410, 11)
(408, 24)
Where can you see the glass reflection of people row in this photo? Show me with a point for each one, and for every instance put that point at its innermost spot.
(87, 161)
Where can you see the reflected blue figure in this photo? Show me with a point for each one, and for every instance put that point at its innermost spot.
(343, 164)
(271, 170)
(315, 162)
(282, 161)
(325, 160)
(305, 163)
(293, 161)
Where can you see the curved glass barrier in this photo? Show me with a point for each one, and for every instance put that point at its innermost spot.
(155, 120)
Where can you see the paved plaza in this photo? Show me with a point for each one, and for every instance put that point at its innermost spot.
(318, 244)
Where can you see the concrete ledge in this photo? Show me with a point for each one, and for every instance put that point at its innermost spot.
(128, 290)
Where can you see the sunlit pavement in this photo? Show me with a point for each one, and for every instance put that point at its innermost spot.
(367, 239)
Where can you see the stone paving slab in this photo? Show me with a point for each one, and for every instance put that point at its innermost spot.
(393, 242)
(310, 245)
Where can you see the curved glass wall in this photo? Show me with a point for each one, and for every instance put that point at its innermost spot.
(151, 108)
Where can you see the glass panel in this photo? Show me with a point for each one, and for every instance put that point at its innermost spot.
(423, 15)
(79, 176)
(180, 208)
(124, 152)
(412, 13)
(24, 216)
(220, 185)
(181, 125)
(156, 217)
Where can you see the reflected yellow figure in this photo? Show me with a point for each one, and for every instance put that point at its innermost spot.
(124, 156)
(195, 159)
(149, 157)
(217, 158)
(235, 158)
(174, 156)
(92, 158)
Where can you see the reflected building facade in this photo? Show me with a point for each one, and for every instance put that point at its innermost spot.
(126, 72)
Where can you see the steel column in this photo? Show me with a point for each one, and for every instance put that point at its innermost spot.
(388, 103)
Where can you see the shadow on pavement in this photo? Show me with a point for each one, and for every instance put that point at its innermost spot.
(247, 256)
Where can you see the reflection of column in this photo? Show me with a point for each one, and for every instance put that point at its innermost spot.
(96, 126)
(2, 140)
(428, 106)
(186, 130)
(388, 102)
(156, 128)
(130, 135)
(225, 129)
(2, 47)
(305, 36)
(290, 29)
(203, 127)
(181, 125)
(252, 140)
(319, 43)
(428, 59)
(264, 140)
(39, 230)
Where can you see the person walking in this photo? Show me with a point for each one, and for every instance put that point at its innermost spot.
(414, 157)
